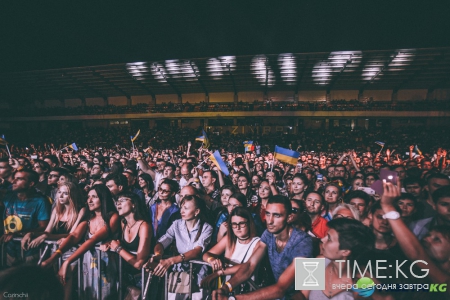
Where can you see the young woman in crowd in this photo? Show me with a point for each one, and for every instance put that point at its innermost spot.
(146, 186)
(299, 186)
(244, 187)
(221, 213)
(235, 200)
(332, 195)
(264, 192)
(165, 210)
(238, 200)
(64, 220)
(191, 235)
(134, 245)
(235, 249)
(100, 224)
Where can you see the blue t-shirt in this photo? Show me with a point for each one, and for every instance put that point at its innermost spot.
(23, 215)
(299, 245)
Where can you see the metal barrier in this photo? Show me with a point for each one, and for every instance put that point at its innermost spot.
(250, 282)
(52, 245)
(49, 245)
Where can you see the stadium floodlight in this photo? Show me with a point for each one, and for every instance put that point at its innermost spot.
(139, 70)
(262, 71)
(159, 72)
(336, 63)
(288, 68)
(218, 66)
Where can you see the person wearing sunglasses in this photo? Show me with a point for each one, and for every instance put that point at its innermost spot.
(136, 237)
(164, 211)
(238, 200)
(235, 249)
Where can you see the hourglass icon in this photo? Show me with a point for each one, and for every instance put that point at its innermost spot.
(310, 267)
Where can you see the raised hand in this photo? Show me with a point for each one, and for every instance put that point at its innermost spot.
(390, 192)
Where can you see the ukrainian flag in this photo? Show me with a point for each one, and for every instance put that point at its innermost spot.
(135, 137)
(3, 141)
(217, 160)
(286, 155)
(204, 139)
(73, 146)
(417, 150)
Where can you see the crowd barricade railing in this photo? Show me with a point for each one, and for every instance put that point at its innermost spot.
(49, 246)
(250, 282)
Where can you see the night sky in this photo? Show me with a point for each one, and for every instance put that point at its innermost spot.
(36, 36)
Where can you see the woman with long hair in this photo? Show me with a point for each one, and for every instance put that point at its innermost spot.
(238, 200)
(100, 223)
(235, 200)
(64, 219)
(332, 195)
(221, 213)
(236, 249)
(264, 192)
(299, 186)
(136, 237)
(146, 186)
(191, 235)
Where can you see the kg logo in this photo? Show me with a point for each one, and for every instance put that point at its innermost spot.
(365, 287)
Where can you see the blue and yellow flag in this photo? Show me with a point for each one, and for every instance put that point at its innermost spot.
(380, 143)
(217, 160)
(248, 146)
(204, 139)
(286, 155)
(135, 137)
(73, 146)
(418, 150)
(3, 141)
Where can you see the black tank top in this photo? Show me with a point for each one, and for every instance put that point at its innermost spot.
(134, 244)
(61, 228)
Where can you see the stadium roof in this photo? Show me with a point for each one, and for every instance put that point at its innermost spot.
(340, 70)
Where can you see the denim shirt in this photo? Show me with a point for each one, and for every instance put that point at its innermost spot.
(185, 240)
(161, 229)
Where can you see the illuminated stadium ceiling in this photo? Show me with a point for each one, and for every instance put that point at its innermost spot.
(341, 70)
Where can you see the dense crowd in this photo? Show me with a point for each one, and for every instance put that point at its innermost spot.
(334, 105)
(26, 140)
(160, 205)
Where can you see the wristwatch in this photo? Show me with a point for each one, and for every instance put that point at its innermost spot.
(392, 215)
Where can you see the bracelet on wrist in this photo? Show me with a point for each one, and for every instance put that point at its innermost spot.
(117, 250)
(229, 286)
(183, 257)
(59, 252)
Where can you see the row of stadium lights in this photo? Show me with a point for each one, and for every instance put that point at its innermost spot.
(322, 73)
